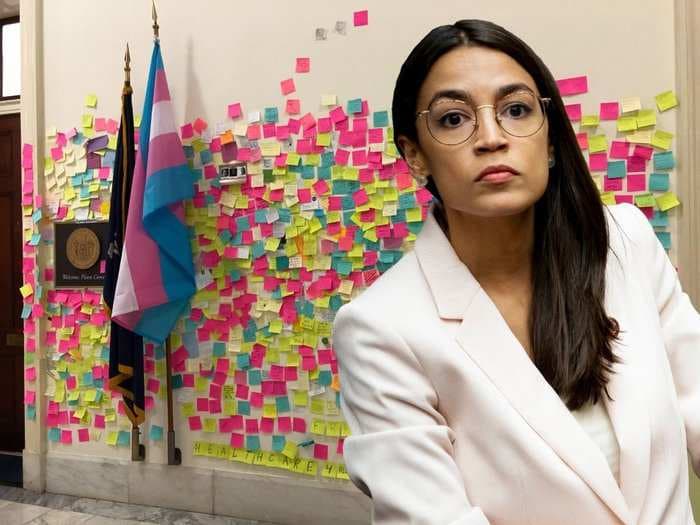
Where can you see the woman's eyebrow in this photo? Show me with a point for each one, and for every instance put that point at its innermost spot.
(460, 94)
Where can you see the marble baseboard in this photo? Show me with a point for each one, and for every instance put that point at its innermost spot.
(251, 494)
(34, 471)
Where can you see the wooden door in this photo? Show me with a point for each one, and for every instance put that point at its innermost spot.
(11, 339)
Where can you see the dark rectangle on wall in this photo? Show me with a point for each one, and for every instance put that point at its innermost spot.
(79, 251)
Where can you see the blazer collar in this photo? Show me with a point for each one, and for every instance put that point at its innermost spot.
(451, 283)
(487, 339)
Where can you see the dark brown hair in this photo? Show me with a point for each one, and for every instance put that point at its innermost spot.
(570, 331)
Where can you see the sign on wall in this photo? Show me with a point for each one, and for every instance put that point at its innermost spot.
(79, 252)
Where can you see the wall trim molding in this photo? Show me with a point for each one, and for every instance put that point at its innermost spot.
(687, 30)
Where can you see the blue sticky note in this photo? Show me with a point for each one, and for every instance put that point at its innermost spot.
(271, 114)
(54, 434)
(617, 169)
(664, 160)
(254, 377)
(177, 381)
(354, 105)
(325, 377)
(665, 239)
(658, 182)
(243, 361)
(242, 223)
(261, 216)
(282, 403)
(252, 443)
(380, 119)
(219, 349)
(156, 433)
(243, 408)
(123, 439)
(205, 156)
(189, 340)
(26, 311)
(31, 412)
(278, 443)
(660, 219)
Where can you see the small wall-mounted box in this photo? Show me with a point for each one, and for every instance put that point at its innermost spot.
(233, 172)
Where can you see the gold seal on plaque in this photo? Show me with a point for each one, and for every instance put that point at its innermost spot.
(83, 248)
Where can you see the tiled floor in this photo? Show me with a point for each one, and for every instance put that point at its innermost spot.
(20, 507)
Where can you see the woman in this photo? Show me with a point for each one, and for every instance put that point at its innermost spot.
(533, 360)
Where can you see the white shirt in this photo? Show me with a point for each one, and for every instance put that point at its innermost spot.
(594, 419)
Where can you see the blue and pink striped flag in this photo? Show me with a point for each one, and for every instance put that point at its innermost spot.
(156, 274)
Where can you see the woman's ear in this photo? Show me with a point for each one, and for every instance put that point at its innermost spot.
(413, 155)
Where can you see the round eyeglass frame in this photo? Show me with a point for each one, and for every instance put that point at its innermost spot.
(544, 103)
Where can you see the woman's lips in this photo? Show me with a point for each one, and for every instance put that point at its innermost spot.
(497, 177)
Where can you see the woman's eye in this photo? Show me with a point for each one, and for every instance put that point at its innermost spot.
(516, 111)
(453, 119)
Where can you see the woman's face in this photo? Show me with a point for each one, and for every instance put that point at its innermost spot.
(475, 74)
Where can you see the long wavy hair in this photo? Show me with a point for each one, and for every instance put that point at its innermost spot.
(571, 333)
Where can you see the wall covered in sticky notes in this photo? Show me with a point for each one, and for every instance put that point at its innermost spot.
(327, 207)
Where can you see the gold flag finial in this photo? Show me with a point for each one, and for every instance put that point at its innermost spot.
(127, 65)
(154, 14)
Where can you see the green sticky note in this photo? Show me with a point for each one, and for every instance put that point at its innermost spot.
(659, 182)
(664, 160)
(644, 200)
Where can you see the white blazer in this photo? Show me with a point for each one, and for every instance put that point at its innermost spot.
(453, 424)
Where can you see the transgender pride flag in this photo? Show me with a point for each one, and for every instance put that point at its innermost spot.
(156, 275)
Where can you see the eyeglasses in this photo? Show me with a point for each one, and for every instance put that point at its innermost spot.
(454, 121)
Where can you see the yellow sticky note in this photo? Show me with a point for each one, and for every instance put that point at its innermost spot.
(645, 200)
(318, 426)
(137, 120)
(293, 159)
(414, 215)
(590, 121)
(323, 139)
(608, 197)
(112, 438)
(301, 397)
(270, 149)
(630, 104)
(666, 100)
(627, 124)
(640, 137)
(112, 142)
(26, 290)
(662, 139)
(91, 100)
(87, 120)
(597, 143)
(646, 118)
(667, 201)
(291, 450)
(209, 424)
(329, 100)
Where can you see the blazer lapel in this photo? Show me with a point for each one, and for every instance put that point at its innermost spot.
(487, 339)
(628, 408)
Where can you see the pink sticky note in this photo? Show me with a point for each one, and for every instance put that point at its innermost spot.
(67, 437)
(636, 164)
(636, 182)
(195, 422)
(299, 424)
(287, 86)
(99, 421)
(573, 111)
(237, 440)
(320, 451)
(573, 85)
(153, 385)
(57, 153)
(611, 184)
(619, 149)
(619, 199)
(642, 151)
(234, 110)
(598, 161)
(30, 374)
(293, 106)
(187, 131)
(582, 139)
(303, 65)
(360, 18)
(83, 435)
(609, 110)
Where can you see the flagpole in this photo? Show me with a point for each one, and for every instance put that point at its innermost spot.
(174, 453)
(138, 450)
